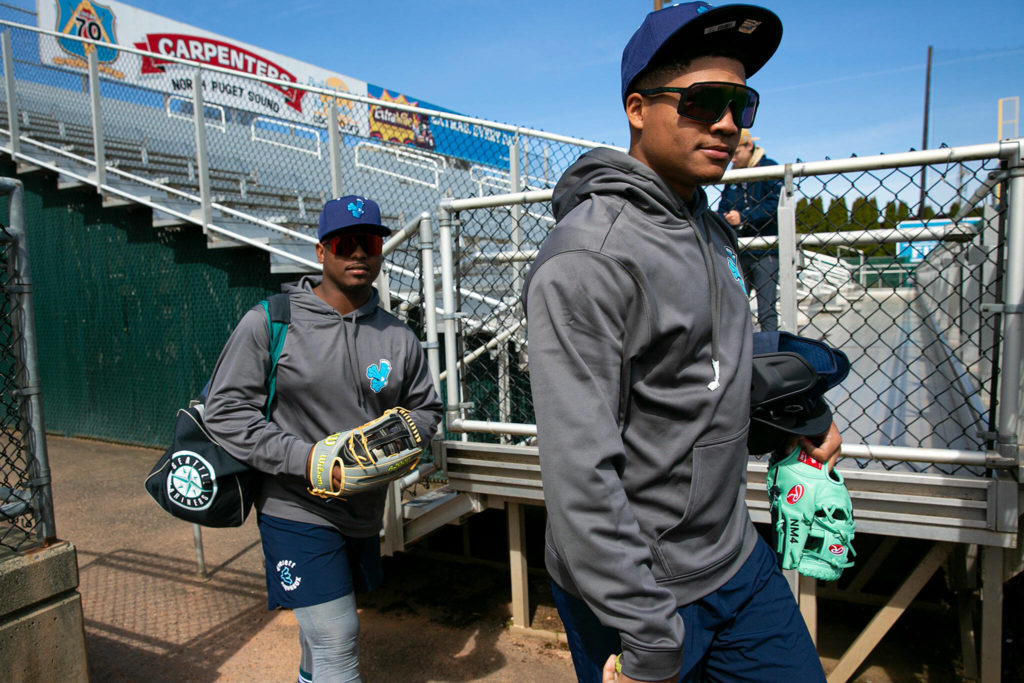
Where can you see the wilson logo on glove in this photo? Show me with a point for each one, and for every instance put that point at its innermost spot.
(836, 549)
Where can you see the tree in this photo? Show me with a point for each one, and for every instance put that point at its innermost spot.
(895, 211)
(864, 215)
(810, 216)
(837, 216)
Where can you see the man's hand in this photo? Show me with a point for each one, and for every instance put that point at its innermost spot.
(608, 674)
(732, 217)
(824, 447)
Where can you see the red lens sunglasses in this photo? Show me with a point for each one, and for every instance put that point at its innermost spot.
(345, 245)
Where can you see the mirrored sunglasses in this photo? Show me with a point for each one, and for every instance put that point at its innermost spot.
(707, 102)
(344, 245)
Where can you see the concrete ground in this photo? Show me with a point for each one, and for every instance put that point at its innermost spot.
(439, 617)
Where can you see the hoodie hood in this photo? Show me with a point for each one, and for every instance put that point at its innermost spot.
(609, 172)
(304, 297)
(604, 171)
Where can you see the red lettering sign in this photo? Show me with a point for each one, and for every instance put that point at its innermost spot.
(216, 53)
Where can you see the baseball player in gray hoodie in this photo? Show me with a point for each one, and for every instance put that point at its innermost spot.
(640, 347)
(345, 361)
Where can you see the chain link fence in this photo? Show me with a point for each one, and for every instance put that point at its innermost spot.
(263, 161)
(26, 506)
(264, 155)
(265, 152)
(898, 277)
(17, 523)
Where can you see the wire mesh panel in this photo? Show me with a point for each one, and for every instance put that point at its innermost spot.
(906, 309)
(19, 525)
(894, 275)
(494, 248)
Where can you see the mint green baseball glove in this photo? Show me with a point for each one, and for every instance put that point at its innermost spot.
(813, 516)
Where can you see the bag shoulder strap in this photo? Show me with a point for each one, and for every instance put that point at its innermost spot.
(279, 314)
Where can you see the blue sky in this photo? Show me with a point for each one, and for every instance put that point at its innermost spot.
(848, 78)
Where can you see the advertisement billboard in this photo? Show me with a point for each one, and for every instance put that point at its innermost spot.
(118, 24)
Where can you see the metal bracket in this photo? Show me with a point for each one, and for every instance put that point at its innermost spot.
(430, 345)
(1004, 309)
(986, 187)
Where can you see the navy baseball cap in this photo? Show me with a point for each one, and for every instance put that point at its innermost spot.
(351, 211)
(751, 32)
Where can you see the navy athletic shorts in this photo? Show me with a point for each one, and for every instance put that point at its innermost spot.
(748, 630)
(308, 564)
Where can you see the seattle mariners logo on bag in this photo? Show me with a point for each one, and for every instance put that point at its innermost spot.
(734, 268)
(192, 483)
(378, 375)
(356, 208)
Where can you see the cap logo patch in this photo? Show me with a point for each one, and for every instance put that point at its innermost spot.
(356, 208)
(702, 9)
(720, 27)
(749, 26)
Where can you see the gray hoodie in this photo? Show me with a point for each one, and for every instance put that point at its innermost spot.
(640, 353)
(335, 372)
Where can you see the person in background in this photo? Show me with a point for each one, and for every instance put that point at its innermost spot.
(752, 209)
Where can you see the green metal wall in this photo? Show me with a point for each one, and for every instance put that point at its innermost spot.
(130, 318)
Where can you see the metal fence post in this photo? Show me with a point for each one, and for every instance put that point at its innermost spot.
(20, 287)
(788, 254)
(429, 300)
(452, 394)
(334, 142)
(1009, 426)
(12, 105)
(199, 115)
(515, 179)
(99, 151)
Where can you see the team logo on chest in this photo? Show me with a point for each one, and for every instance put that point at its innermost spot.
(734, 268)
(378, 375)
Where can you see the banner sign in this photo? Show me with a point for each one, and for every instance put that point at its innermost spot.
(118, 24)
(470, 141)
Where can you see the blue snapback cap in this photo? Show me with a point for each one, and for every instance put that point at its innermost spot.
(752, 32)
(351, 211)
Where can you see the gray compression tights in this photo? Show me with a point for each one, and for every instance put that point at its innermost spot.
(329, 633)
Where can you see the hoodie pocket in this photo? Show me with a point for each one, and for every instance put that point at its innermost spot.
(710, 532)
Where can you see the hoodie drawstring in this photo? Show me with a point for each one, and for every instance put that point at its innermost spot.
(350, 353)
(716, 304)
